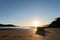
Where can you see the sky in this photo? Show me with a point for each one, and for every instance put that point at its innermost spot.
(25, 12)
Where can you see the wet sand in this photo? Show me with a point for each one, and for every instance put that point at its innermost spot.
(19, 35)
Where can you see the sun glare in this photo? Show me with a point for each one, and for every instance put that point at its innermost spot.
(36, 23)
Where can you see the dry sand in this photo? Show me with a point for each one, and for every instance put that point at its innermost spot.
(54, 34)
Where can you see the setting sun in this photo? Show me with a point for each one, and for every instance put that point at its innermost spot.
(36, 23)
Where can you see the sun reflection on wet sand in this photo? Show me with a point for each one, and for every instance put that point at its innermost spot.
(35, 36)
(34, 30)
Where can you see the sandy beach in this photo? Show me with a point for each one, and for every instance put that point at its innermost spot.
(22, 34)
(29, 34)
